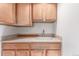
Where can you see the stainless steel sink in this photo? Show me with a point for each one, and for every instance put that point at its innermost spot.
(46, 35)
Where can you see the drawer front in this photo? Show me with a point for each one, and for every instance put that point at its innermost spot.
(22, 46)
(54, 46)
(53, 53)
(37, 53)
(22, 53)
(8, 46)
(8, 53)
(45, 46)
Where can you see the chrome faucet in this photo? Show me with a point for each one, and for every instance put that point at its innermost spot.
(43, 32)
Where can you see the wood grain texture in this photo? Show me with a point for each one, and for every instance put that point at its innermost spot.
(22, 53)
(22, 46)
(37, 53)
(37, 12)
(45, 46)
(53, 53)
(9, 46)
(44, 12)
(24, 14)
(7, 13)
(31, 49)
(50, 12)
(8, 53)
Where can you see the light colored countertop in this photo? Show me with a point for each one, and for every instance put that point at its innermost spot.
(35, 39)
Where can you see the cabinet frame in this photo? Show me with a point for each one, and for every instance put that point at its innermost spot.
(30, 48)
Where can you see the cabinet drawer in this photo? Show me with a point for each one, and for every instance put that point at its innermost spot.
(22, 46)
(8, 53)
(22, 53)
(45, 46)
(53, 53)
(37, 53)
(9, 46)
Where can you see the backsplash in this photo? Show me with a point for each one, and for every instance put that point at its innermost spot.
(38, 28)
(7, 32)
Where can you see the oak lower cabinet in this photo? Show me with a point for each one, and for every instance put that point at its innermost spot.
(53, 52)
(9, 46)
(37, 52)
(22, 53)
(7, 13)
(31, 49)
(22, 46)
(24, 14)
(8, 53)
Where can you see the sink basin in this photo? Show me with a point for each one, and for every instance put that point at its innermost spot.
(46, 35)
(44, 38)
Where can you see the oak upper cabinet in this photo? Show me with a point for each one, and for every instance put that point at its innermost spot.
(50, 12)
(37, 12)
(7, 13)
(44, 12)
(24, 14)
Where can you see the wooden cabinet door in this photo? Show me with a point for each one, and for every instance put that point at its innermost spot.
(50, 12)
(37, 52)
(37, 12)
(8, 53)
(22, 53)
(7, 13)
(53, 52)
(24, 14)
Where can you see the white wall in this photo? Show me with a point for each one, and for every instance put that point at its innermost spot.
(68, 28)
(38, 28)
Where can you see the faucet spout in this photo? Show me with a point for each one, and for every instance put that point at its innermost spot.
(43, 31)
